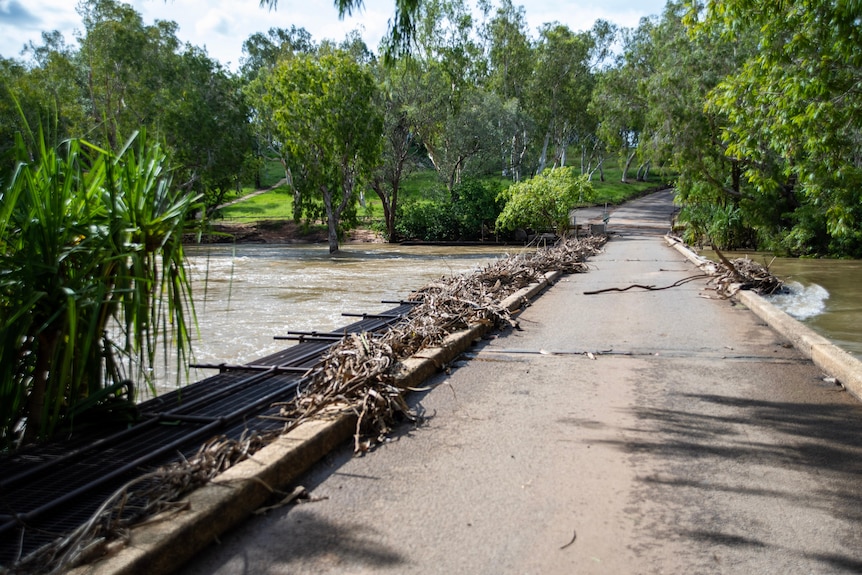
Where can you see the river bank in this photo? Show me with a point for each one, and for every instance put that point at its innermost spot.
(279, 232)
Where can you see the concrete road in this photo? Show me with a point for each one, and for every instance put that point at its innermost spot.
(624, 432)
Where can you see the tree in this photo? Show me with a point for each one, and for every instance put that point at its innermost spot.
(794, 116)
(89, 239)
(683, 70)
(618, 98)
(511, 60)
(560, 89)
(126, 66)
(326, 118)
(206, 124)
(544, 201)
(263, 53)
(399, 144)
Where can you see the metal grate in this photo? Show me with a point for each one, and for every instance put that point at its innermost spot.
(52, 489)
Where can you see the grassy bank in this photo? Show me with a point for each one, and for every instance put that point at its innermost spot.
(420, 186)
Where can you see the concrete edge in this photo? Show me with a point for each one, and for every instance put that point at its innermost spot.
(833, 360)
(168, 540)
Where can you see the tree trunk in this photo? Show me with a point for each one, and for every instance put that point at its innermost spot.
(331, 220)
(643, 171)
(47, 344)
(543, 159)
(629, 160)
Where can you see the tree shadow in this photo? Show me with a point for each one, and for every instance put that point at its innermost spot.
(701, 440)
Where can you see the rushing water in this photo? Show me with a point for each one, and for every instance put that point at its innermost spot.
(247, 294)
(824, 294)
(827, 297)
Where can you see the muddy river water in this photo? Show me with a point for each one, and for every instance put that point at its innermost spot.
(247, 294)
(826, 295)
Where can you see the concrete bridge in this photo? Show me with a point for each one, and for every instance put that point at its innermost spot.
(622, 432)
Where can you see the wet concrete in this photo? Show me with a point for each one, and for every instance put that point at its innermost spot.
(624, 432)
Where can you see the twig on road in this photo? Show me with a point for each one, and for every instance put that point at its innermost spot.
(648, 288)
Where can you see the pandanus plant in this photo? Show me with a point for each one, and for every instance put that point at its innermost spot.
(92, 279)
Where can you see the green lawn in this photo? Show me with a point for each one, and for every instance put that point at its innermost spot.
(419, 186)
(273, 205)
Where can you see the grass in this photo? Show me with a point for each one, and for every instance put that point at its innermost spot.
(613, 191)
(274, 205)
(423, 185)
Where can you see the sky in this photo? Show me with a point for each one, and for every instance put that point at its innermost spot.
(221, 26)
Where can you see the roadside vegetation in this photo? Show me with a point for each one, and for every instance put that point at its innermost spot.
(755, 117)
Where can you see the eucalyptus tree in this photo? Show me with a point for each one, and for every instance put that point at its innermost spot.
(399, 150)
(445, 34)
(326, 118)
(449, 72)
(560, 89)
(794, 117)
(126, 66)
(510, 55)
(262, 53)
(619, 99)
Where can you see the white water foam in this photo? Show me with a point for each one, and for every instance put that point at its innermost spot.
(801, 302)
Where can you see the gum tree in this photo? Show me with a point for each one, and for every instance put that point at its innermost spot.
(325, 114)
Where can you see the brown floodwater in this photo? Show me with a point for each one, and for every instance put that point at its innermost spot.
(826, 295)
(245, 295)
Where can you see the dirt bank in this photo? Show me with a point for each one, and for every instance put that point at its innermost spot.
(280, 232)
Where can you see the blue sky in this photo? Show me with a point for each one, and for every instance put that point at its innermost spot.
(221, 26)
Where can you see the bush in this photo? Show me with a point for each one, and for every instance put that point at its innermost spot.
(89, 240)
(544, 202)
(470, 217)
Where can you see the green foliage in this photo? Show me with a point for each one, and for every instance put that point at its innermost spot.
(326, 120)
(427, 221)
(544, 202)
(786, 119)
(207, 129)
(93, 274)
(470, 217)
(127, 75)
(477, 207)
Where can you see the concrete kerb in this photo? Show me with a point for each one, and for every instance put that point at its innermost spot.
(833, 360)
(169, 540)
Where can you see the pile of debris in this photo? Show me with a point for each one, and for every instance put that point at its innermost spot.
(357, 374)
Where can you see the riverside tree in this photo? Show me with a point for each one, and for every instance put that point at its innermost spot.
(325, 116)
(793, 114)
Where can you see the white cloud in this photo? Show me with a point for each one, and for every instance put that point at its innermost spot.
(223, 25)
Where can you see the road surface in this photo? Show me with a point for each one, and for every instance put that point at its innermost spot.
(624, 432)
